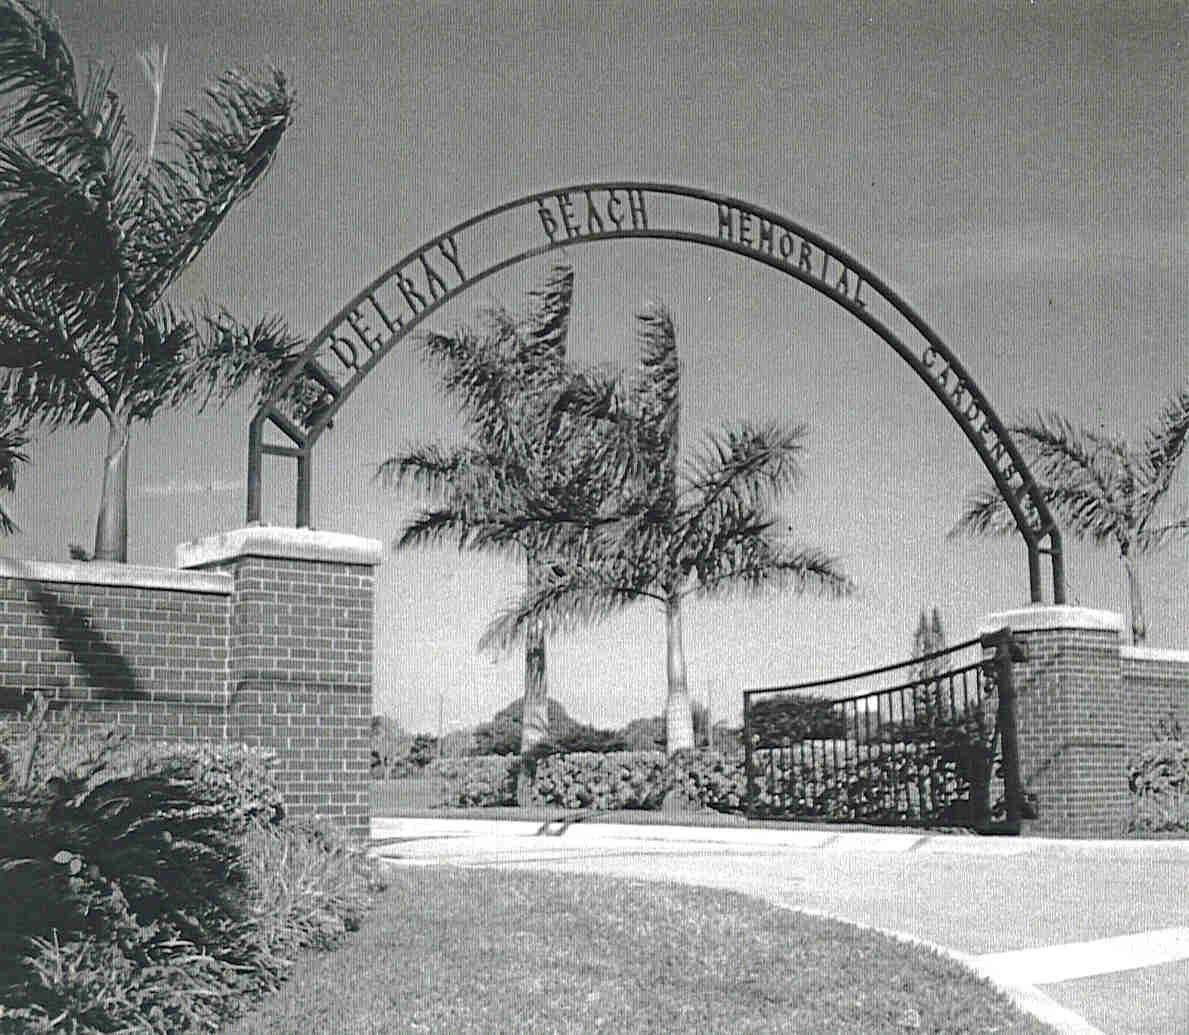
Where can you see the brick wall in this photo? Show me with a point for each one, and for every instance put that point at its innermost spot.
(264, 637)
(142, 647)
(1157, 685)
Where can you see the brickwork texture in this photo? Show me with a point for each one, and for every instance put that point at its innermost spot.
(1086, 703)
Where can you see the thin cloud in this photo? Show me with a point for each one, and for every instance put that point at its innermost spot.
(191, 488)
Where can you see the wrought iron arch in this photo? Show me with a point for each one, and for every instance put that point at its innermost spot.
(368, 327)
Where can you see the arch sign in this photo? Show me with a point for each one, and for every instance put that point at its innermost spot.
(346, 350)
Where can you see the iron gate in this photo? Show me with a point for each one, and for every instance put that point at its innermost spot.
(937, 748)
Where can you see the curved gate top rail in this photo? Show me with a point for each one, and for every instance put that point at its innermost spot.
(365, 330)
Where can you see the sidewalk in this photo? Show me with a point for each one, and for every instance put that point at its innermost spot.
(1101, 926)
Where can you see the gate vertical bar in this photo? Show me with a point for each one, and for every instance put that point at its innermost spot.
(748, 760)
(1007, 651)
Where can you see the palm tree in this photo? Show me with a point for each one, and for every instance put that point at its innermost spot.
(700, 526)
(527, 412)
(93, 234)
(1103, 488)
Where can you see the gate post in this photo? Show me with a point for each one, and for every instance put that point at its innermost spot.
(299, 669)
(1007, 652)
(1074, 731)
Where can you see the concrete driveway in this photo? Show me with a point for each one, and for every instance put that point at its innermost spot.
(1091, 936)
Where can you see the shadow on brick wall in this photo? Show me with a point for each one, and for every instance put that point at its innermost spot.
(106, 673)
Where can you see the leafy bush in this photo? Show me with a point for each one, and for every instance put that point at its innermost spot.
(794, 717)
(599, 780)
(948, 783)
(622, 780)
(481, 780)
(127, 905)
(1159, 781)
(136, 876)
(714, 779)
(307, 886)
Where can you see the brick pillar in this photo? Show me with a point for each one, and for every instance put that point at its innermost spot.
(1073, 721)
(299, 676)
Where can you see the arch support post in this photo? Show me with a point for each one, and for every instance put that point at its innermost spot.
(303, 488)
(255, 435)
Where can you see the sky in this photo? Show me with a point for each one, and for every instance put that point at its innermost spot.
(1016, 171)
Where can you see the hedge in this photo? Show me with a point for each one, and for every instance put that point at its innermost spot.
(946, 780)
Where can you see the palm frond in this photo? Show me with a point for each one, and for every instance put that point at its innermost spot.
(1059, 453)
(228, 356)
(433, 527)
(430, 468)
(44, 345)
(13, 439)
(1163, 450)
(656, 389)
(985, 513)
(753, 564)
(564, 600)
(67, 163)
(1149, 540)
(548, 323)
(38, 84)
(222, 155)
(758, 464)
(1081, 507)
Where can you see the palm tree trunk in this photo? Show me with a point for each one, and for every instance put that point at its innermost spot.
(1139, 628)
(679, 727)
(111, 529)
(534, 711)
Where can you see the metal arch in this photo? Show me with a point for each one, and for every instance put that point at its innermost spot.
(364, 331)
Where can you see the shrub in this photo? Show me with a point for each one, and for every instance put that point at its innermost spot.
(794, 717)
(137, 875)
(123, 896)
(598, 780)
(307, 886)
(622, 780)
(481, 780)
(1159, 781)
(714, 779)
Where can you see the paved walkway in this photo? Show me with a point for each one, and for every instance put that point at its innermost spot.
(1090, 936)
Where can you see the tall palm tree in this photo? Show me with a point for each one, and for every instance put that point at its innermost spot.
(1104, 489)
(527, 412)
(700, 526)
(93, 233)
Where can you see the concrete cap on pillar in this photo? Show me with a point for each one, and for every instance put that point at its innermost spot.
(304, 544)
(1039, 617)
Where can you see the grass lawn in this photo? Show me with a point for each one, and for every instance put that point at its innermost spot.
(494, 951)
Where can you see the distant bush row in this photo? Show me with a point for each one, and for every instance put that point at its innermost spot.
(598, 780)
(947, 778)
(396, 753)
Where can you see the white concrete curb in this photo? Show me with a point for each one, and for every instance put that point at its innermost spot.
(836, 841)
